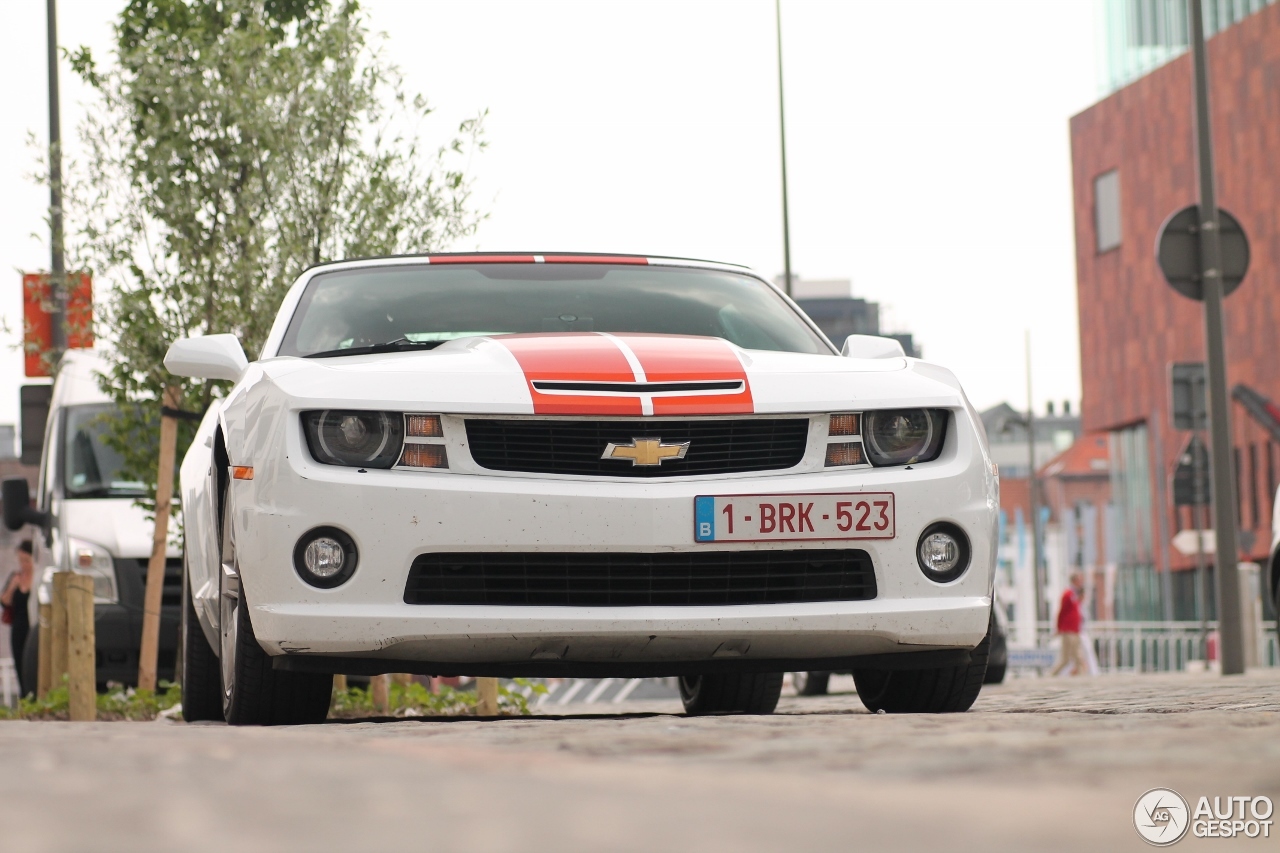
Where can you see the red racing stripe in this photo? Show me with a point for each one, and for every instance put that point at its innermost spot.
(581, 356)
(592, 357)
(595, 259)
(676, 358)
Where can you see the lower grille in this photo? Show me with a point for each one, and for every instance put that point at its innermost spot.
(633, 580)
(575, 445)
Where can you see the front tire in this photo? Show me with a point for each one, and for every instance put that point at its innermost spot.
(253, 692)
(731, 693)
(940, 690)
(201, 678)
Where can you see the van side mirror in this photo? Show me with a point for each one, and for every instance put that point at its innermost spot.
(33, 403)
(17, 505)
(207, 357)
(872, 346)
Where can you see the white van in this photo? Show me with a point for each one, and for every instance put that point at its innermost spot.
(87, 520)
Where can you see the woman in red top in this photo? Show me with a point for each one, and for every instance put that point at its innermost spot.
(1069, 619)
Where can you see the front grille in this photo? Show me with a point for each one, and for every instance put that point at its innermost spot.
(131, 581)
(633, 580)
(574, 445)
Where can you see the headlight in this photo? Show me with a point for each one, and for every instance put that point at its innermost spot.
(354, 438)
(903, 436)
(90, 558)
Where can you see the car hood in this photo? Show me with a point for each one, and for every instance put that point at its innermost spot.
(118, 524)
(600, 374)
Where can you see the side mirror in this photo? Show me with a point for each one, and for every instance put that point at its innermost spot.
(17, 505)
(208, 357)
(872, 346)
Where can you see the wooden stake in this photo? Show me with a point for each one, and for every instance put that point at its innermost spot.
(58, 630)
(380, 692)
(82, 685)
(150, 651)
(340, 683)
(486, 697)
(44, 650)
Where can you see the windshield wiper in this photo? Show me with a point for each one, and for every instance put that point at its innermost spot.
(390, 346)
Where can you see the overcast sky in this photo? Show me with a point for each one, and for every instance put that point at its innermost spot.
(927, 148)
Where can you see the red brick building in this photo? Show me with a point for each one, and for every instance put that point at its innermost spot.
(1133, 160)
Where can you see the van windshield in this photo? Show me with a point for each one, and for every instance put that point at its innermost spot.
(417, 307)
(91, 468)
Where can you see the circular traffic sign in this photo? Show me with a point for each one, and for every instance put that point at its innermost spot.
(1178, 252)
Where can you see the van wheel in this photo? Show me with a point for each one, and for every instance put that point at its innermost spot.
(201, 678)
(940, 690)
(254, 693)
(731, 693)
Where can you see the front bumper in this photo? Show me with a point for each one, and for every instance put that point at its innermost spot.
(394, 516)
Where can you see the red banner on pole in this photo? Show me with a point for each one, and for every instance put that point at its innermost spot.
(37, 334)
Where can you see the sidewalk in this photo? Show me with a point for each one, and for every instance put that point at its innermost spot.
(1039, 764)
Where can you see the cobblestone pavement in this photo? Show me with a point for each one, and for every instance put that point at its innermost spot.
(1039, 764)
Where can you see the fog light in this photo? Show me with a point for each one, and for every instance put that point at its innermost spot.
(846, 424)
(424, 456)
(325, 557)
(943, 552)
(848, 453)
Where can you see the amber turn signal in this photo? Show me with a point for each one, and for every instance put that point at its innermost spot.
(849, 453)
(423, 426)
(424, 456)
(843, 425)
(242, 472)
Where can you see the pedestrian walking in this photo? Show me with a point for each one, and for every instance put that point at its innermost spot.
(14, 598)
(1070, 618)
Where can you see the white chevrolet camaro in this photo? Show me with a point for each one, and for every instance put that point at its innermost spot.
(588, 465)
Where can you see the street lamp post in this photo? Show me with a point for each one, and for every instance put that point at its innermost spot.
(782, 133)
(57, 278)
(1031, 497)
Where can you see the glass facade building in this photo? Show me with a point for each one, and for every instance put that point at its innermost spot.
(1136, 36)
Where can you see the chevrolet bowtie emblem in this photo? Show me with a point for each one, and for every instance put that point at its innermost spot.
(646, 451)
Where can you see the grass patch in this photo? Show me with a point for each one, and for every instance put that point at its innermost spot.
(120, 703)
(415, 700)
(116, 704)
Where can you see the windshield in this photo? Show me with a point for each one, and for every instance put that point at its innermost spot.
(91, 469)
(424, 305)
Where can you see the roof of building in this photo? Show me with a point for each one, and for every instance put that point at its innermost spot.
(1089, 456)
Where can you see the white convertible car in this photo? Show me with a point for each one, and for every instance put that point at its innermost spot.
(587, 465)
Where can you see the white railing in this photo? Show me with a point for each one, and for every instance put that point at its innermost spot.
(1161, 646)
(8, 682)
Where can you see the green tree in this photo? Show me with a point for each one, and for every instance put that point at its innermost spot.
(234, 144)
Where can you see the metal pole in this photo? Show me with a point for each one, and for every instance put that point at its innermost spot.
(1230, 634)
(782, 133)
(1031, 497)
(1202, 574)
(57, 278)
(1166, 580)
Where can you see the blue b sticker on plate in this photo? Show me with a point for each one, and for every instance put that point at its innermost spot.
(704, 519)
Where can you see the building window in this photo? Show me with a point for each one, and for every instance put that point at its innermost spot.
(1271, 475)
(1253, 486)
(1106, 210)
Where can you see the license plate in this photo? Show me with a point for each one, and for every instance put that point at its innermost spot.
(766, 518)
